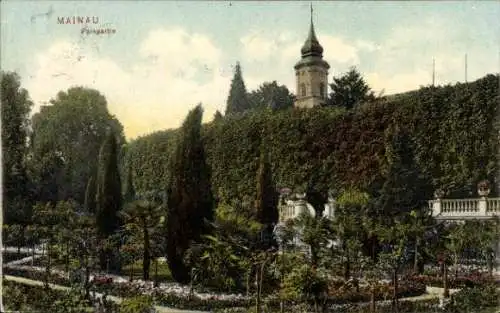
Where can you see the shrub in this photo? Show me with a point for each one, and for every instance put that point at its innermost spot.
(138, 304)
(474, 299)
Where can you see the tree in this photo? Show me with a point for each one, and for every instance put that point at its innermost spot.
(404, 189)
(349, 90)
(65, 142)
(395, 239)
(217, 116)
(347, 225)
(108, 197)
(271, 95)
(15, 109)
(142, 218)
(190, 199)
(266, 203)
(130, 194)
(237, 101)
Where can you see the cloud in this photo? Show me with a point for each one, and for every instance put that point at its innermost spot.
(175, 71)
(404, 59)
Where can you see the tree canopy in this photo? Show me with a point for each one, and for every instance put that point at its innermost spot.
(16, 107)
(237, 101)
(271, 95)
(332, 149)
(190, 199)
(66, 139)
(349, 90)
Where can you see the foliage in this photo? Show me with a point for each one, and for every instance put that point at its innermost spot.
(329, 148)
(271, 95)
(350, 90)
(65, 143)
(148, 158)
(266, 203)
(27, 298)
(138, 304)
(108, 199)
(15, 109)
(142, 219)
(404, 189)
(474, 299)
(190, 199)
(305, 283)
(237, 101)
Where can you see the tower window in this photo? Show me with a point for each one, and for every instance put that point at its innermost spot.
(322, 90)
(303, 90)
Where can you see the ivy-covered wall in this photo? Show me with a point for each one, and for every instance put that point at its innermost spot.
(454, 129)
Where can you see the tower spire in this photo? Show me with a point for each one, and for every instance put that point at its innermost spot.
(312, 47)
(311, 13)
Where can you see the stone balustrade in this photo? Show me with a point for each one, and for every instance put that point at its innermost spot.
(479, 208)
(294, 208)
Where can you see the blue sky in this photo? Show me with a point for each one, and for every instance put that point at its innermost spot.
(167, 56)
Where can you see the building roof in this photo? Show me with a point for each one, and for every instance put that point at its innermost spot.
(311, 47)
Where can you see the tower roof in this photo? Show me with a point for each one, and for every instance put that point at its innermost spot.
(311, 47)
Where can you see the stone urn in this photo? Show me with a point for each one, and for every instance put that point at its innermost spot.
(439, 194)
(483, 188)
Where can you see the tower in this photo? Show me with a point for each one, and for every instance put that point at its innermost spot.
(311, 73)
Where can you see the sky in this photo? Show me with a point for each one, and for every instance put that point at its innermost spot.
(165, 57)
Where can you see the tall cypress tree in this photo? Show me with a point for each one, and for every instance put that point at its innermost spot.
(109, 198)
(237, 100)
(190, 199)
(404, 189)
(129, 186)
(267, 198)
(266, 202)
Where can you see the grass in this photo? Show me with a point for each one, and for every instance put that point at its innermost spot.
(163, 271)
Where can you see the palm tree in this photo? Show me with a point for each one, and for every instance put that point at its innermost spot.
(143, 218)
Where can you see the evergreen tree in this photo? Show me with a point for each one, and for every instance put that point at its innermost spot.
(349, 90)
(237, 100)
(109, 198)
(129, 187)
(404, 189)
(271, 95)
(217, 116)
(15, 109)
(190, 199)
(266, 202)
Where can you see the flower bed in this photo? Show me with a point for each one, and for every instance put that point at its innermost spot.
(382, 292)
(470, 280)
(424, 306)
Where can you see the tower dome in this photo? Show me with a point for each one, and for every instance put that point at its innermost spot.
(311, 46)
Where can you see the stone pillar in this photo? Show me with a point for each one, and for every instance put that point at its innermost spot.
(482, 205)
(436, 207)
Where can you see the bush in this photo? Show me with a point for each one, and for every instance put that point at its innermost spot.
(26, 298)
(470, 300)
(138, 304)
